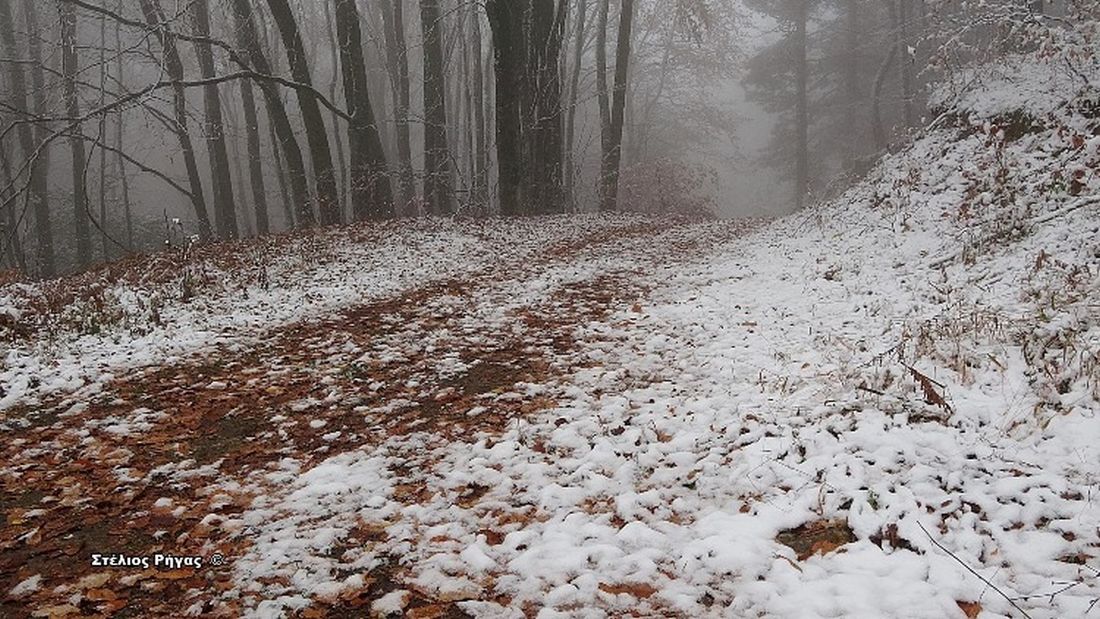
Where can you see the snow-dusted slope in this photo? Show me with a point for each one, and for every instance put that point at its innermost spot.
(882, 407)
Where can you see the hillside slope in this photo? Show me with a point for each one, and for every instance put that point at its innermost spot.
(883, 406)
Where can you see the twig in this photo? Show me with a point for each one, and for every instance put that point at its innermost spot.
(971, 570)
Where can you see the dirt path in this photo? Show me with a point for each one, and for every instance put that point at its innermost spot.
(164, 459)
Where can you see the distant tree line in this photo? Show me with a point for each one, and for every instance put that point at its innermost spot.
(120, 119)
(849, 78)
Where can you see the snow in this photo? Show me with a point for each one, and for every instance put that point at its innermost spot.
(26, 587)
(781, 379)
(916, 362)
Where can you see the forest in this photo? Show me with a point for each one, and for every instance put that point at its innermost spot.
(129, 126)
(550, 308)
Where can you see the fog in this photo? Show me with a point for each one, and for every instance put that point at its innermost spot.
(729, 107)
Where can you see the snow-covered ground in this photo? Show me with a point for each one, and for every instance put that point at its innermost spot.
(885, 406)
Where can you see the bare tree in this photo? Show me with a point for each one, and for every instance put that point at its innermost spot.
(397, 61)
(67, 14)
(252, 52)
(225, 210)
(371, 193)
(316, 134)
(438, 185)
(173, 66)
(614, 143)
(37, 194)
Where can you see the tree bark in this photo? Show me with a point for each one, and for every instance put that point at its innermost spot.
(252, 49)
(571, 109)
(316, 134)
(506, 21)
(481, 151)
(337, 139)
(547, 31)
(438, 188)
(173, 66)
(69, 69)
(38, 197)
(225, 210)
(255, 169)
(601, 74)
(371, 193)
(613, 157)
(393, 18)
(120, 165)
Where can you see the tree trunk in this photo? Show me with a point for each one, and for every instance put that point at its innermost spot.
(438, 189)
(252, 49)
(481, 151)
(509, 49)
(393, 18)
(37, 188)
(613, 157)
(173, 66)
(906, 63)
(255, 169)
(547, 31)
(880, 81)
(601, 75)
(277, 156)
(571, 109)
(371, 193)
(225, 210)
(802, 107)
(69, 69)
(121, 161)
(104, 243)
(337, 139)
(316, 134)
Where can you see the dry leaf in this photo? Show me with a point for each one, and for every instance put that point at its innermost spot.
(641, 591)
(970, 609)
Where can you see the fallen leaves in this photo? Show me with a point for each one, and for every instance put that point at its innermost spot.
(817, 538)
(639, 590)
(970, 609)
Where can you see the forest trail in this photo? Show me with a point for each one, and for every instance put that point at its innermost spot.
(167, 458)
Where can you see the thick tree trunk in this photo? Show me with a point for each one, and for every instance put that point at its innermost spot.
(316, 134)
(69, 69)
(509, 49)
(252, 49)
(371, 193)
(393, 18)
(225, 210)
(173, 66)
(438, 188)
(802, 107)
(571, 108)
(37, 189)
(547, 31)
(613, 157)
